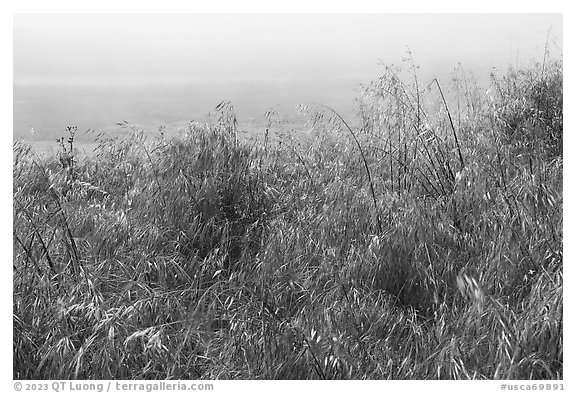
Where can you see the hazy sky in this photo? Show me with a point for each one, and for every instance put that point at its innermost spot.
(113, 48)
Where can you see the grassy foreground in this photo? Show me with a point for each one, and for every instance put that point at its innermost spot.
(424, 243)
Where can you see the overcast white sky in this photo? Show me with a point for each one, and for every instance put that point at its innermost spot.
(113, 48)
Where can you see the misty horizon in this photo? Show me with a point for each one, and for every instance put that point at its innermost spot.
(93, 70)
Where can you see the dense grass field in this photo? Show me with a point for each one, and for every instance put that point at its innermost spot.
(422, 241)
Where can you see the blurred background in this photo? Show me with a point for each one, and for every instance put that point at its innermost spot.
(153, 70)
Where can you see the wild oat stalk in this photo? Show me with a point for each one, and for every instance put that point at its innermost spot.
(364, 160)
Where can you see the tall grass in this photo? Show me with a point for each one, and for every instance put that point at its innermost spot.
(424, 244)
